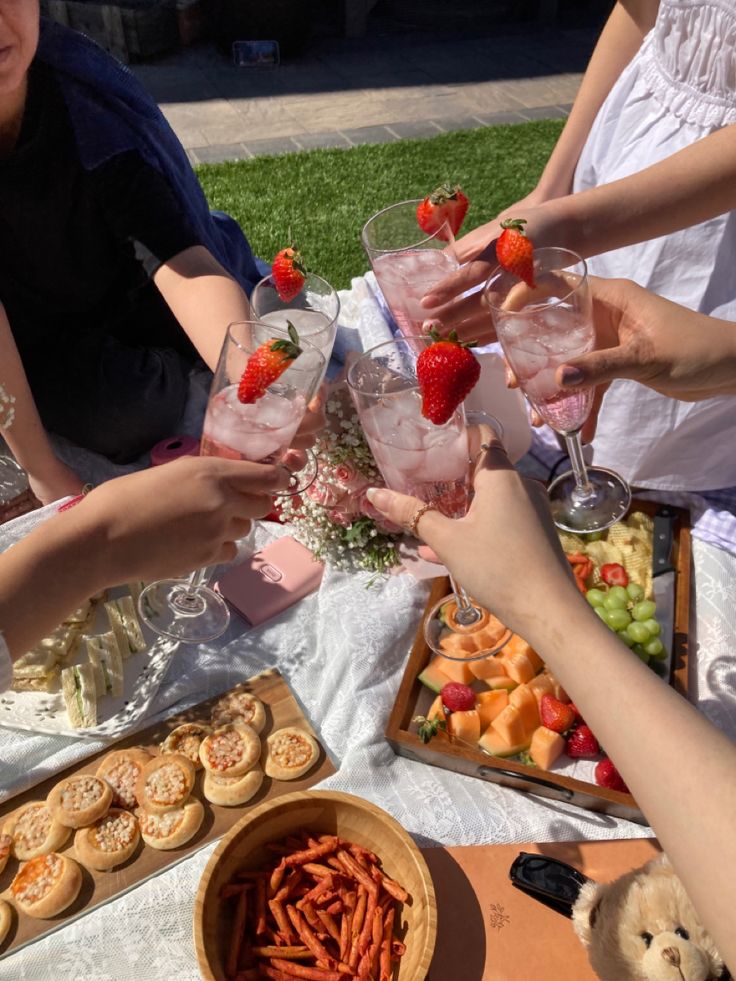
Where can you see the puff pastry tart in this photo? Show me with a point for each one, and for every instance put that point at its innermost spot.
(231, 751)
(122, 769)
(165, 783)
(239, 706)
(173, 829)
(6, 918)
(34, 831)
(231, 791)
(186, 739)
(110, 841)
(79, 800)
(290, 753)
(46, 885)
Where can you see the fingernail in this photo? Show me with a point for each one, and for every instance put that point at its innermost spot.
(379, 498)
(428, 301)
(572, 376)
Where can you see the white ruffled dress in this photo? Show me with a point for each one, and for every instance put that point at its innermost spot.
(679, 88)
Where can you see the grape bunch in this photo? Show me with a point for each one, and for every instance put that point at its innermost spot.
(626, 611)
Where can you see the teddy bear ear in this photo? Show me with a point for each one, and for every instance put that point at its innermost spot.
(585, 910)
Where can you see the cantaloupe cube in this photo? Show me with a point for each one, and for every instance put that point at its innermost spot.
(523, 699)
(455, 670)
(502, 681)
(545, 747)
(464, 725)
(517, 645)
(491, 704)
(433, 675)
(458, 645)
(436, 710)
(518, 666)
(488, 667)
(540, 685)
(509, 724)
(491, 742)
(488, 637)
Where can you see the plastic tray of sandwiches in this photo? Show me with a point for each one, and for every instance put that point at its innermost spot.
(94, 675)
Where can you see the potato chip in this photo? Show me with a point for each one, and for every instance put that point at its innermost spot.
(571, 543)
(603, 552)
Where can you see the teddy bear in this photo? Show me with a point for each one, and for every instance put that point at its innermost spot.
(643, 927)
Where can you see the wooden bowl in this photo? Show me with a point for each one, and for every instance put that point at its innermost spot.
(325, 812)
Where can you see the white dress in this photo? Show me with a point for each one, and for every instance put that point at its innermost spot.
(680, 87)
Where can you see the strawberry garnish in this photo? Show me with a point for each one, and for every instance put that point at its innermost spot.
(444, 204)
(606, 775)
(288, 272)
(447, 371)
(267, 363)
(457, 697)
(582, 743)
(514, 251)
(614, 574)
(555, 715)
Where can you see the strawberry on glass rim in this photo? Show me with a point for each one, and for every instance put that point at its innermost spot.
(447, 371)
(515, 252)
(267, 363)
(288, 272)
(445, 204)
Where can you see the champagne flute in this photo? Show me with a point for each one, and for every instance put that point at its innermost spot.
(541, 328)
(260, 432)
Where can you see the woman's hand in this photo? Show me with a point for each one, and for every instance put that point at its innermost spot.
(54, 481)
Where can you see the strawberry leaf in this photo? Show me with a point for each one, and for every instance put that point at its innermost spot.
(428, 728)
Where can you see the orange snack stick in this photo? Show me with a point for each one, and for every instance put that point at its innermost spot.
(384, 962)
(277, 877)
(282, 920)
(237, 935)
(310, 854)
(307, 936)
(260, 907)
(287, 953)
(328, 922)
(290, 968)
(314, 868)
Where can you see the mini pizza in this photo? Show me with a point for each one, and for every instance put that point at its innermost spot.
(290, 753)
(110, 841)
(186, 739)
(232, 791)
(239, 706)
(230, 751)
(34, 831)
(165, 783)
(6, 918)
(46, 885)
(6, 846)
(173, 829)
(122, 769)
(80, 800)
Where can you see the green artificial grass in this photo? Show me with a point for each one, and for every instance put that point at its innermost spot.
(325, 196)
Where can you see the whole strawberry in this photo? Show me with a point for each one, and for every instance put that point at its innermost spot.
(457, 697)
(582, 743)
(447, 371)
(288, 272)
(444, 204)
(514, 251)
(606, 775)
(267, 363)
(554, 714)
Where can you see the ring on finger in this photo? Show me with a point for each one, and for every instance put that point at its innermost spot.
(421, 510)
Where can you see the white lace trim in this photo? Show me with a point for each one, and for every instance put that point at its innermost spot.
(689, 61)
(6, 666)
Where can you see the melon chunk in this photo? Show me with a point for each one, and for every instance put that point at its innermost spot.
(518, 666)
(545, 747)
(502, 681)
(455, 670)
(540, 685)
(488, 667)
(509, 724)
(491, 704)
(436, 710)
(491, 742)
(458, 645)
(434, 677)
(517, 645)
(523, 699)
(464, 725)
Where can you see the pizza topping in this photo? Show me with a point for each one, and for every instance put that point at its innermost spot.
(225, 749)
(185, 739)
(33, 827)
(288, 749)
(167, 784)
(114, 832)
(81, 792)
(160, 825)
(37, 878)
(122, 777)
(238, 706)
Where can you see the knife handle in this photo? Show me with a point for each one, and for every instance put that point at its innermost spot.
(664, 522)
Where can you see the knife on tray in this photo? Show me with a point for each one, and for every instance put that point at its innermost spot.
(663, 585)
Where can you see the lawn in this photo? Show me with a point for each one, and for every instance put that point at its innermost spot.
(325, 196)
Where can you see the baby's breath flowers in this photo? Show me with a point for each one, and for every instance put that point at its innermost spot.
(333, 518)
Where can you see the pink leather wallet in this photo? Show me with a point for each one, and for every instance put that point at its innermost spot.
(271, 581)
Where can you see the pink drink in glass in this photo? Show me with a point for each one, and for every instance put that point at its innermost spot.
(536, 343)
(415, 456)
(260, 431)
(405, 277)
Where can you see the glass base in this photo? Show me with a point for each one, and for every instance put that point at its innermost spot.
(189, 614)
(459, 642)
(607, 502)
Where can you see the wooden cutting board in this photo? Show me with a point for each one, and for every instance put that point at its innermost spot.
(498, 933)
(100, 887)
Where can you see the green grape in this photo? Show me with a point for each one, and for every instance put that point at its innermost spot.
(612, 602)
(644, 610)
(635, 592)
(594, 536)
(655, 648)
(653, 627)
(617, 619)
(638, 632)
(602, 613)
(619, 593)
(595, 597)
(623, 634)
(641, 652)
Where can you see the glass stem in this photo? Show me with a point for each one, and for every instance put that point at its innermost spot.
(466, 614)
(199, 578)
(584, 490)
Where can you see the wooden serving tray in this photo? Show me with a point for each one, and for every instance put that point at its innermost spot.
(100, 887)
(414, 699)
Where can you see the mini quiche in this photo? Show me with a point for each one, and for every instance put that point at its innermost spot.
(46, 885)
(165, 783)
(6, 919)
(231, 750)
(110, 841)
(232, 791)
(186, 739)
(173, 829)
(79, 800)
(6, 846)
(239, 706)
(122, 769)
(290, 753)
(34, 831)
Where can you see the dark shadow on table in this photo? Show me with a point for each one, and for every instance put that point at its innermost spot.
(461, 932)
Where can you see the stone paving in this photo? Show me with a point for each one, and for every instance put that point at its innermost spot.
(342, 92)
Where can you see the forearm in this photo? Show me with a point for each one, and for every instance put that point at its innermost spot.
(620, 39)
(204, 298)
